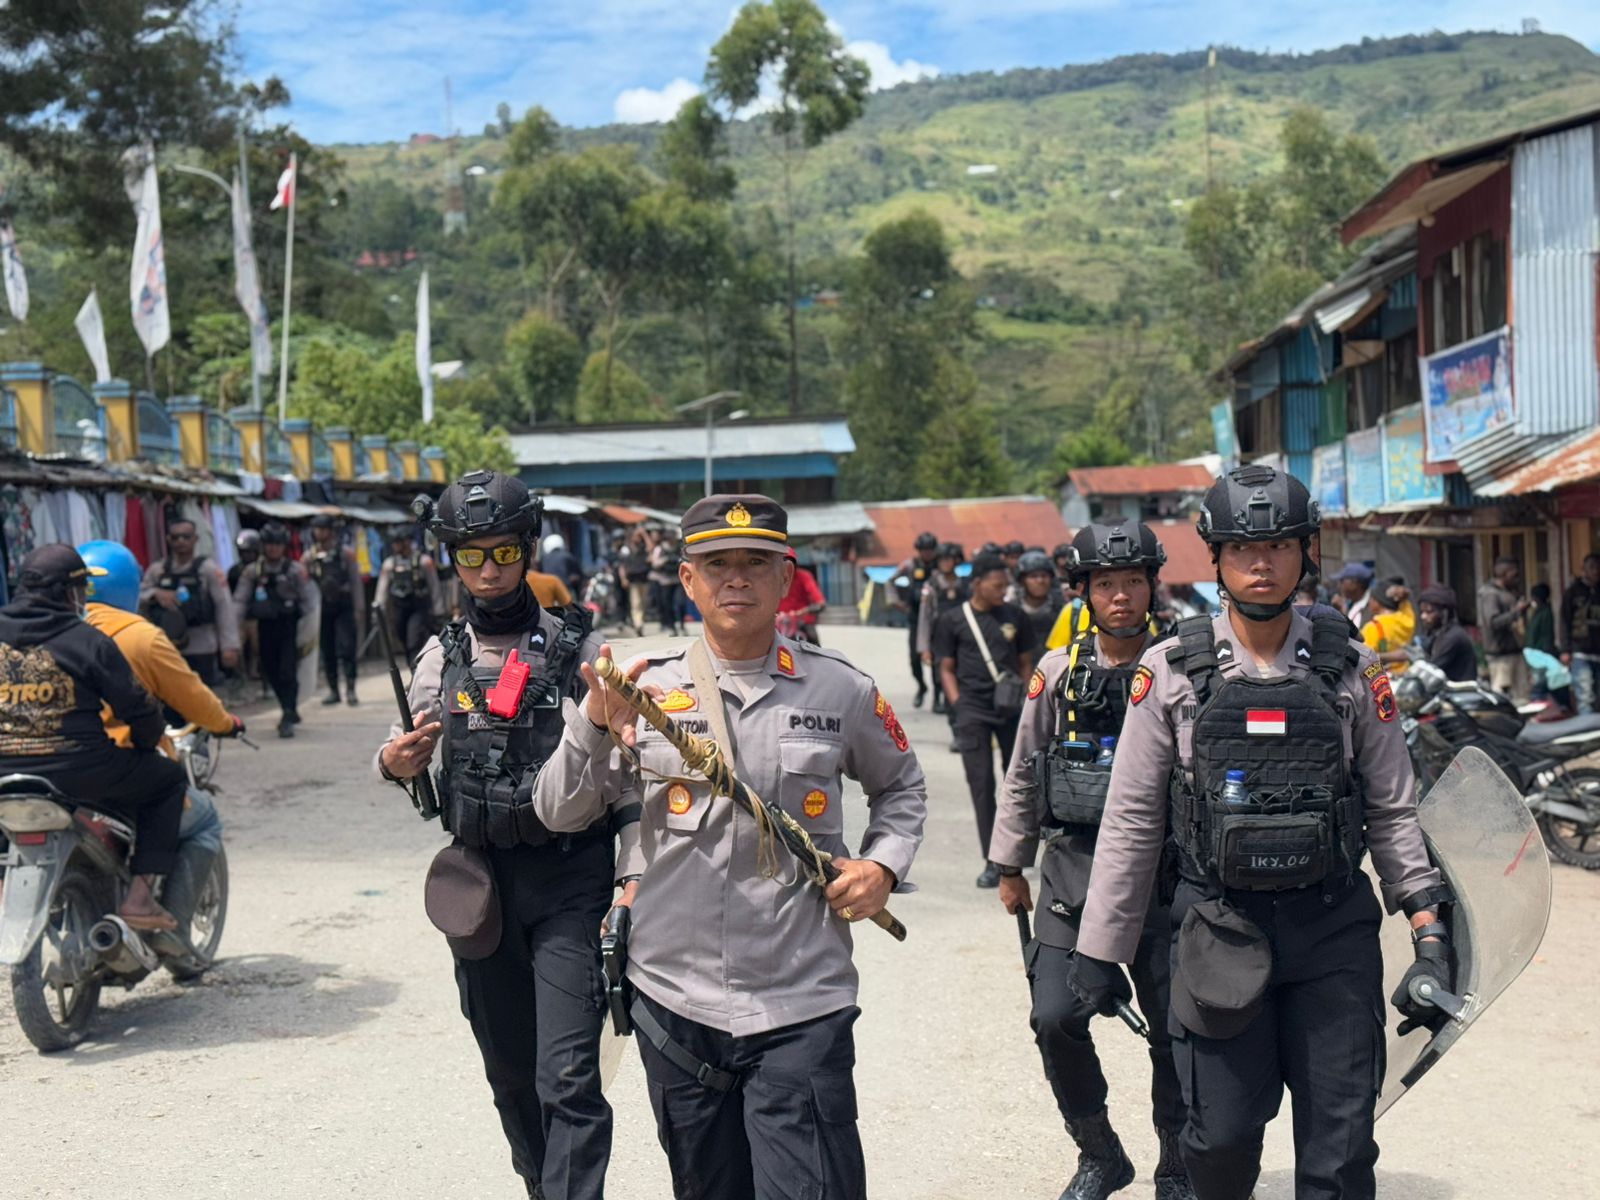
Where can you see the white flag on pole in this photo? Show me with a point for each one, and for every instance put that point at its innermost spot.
(92, 329)
(247, 284)
(425, 350)
(16, 278)
(147, 286)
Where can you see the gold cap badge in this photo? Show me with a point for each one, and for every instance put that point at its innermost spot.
(738, 516)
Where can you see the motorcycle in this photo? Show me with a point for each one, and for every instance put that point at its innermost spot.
(64, 872)
(1440, 716)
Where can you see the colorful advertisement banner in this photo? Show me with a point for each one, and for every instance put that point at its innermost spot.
(1405, 484)
(1466, 392)
(1327, 479)
(1364, 471)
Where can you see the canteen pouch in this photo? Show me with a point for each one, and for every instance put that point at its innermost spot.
(1071, 794)
(460, 899)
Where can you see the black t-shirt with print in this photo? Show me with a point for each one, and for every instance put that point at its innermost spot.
(1008, 633)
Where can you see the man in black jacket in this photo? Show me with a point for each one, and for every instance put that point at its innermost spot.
(56, 671)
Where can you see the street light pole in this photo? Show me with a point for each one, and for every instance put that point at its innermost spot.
(255, 380)
(709, 404)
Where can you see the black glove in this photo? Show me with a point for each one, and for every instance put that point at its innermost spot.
(1099, 984)
(1433, 964)
(238, 728)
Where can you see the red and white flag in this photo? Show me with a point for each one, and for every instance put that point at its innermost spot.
(1266, 722)
(286, 181)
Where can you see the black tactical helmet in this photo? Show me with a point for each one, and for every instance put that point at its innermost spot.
(926, 541)
(1062, 550)
(1032, 561)
(481, 504)
(1257, 504)
(1102, 547)
(990, 548)
(322, 521)
(274, 533)
(1014, 547)
(951, 550)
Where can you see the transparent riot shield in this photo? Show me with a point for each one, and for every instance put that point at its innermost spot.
(1485, 842)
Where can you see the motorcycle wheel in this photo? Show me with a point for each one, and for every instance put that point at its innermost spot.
(1574, 844)
(56, 989)
(205, 928)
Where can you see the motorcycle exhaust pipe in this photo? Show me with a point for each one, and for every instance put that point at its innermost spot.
(121, 949)
(1543, 806)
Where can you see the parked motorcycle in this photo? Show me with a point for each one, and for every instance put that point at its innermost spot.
(1441, 716)
(64, 868)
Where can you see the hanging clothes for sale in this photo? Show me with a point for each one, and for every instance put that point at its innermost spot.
(85, 518)
(136, 535)
(116, 510)
(17, 528)
(225, 552)
(291, 488)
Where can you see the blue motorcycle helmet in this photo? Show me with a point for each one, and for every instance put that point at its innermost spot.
(119, 586)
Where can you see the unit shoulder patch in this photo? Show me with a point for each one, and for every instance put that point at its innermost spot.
(1383, 697)
(1036, 685)
(891, 723)
(1139, 688)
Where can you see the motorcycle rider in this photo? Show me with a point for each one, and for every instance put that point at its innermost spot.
(113, 601)
(408, 594)
(336, 571)
(528, 961)
(1078, 695)
(56, 672)
(187, 595)
(1266, 740)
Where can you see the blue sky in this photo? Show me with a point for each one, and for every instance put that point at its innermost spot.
(373, 70)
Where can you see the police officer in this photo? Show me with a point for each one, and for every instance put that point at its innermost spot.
(187, 595)
(908, 599)
(529, 970)
(1056, 788)
(336, 571)
(408, 594)
(1275, 735)
(746, 994)
(943, 591)
(275, 592)
(1037, 595)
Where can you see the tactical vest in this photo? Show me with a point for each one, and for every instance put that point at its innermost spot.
(194, 592)
(949, 592)
(1287, 734)
(487, 763)
(918, 575)
(331, 573)
(273, 594)
(406, 580)
(1091, 702)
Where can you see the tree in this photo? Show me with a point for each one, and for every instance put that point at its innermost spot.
(817, 90)
(610, 392)
(961, 454)
(693, 151)
(689, 244)
(532, 138)
(545, 360)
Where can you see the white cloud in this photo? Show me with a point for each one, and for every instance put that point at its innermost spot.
(885, 71)
(644, 106)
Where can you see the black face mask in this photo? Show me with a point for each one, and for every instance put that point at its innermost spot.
(516, 610)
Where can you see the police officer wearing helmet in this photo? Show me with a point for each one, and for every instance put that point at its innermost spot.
(408, 594)
(1055, 791)
(909, 579)
(275, 592)
(1268, 738)
(335, 570)
(943, 591)
(745, 989)
(521, 906)
(1036, 594)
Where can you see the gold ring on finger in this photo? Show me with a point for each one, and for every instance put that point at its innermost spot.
(847, 914)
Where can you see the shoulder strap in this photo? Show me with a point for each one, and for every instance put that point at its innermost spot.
(1067, 708)
(709, 693)
(1332, 652)
(977, 636)
(1196, 655)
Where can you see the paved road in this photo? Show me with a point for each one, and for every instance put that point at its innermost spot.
(326, 1056)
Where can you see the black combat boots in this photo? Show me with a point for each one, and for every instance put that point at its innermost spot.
(1172, 1177)
(1103, 1166)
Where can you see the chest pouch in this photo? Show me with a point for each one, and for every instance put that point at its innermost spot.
(1071, 786)
(1071, 794)
(1288, 844)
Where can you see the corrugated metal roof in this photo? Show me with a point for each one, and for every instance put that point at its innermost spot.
(829, 520)
(1155, 479)
(1566, 461)
(1554, 237)
(657, 443)
(1497, 453)
(1188, 558)
(1032, 520)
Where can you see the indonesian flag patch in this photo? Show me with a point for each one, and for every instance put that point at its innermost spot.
(1266, 722)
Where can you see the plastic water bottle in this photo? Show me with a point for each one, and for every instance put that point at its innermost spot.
(1108, 752)
(183, 593)
(1234, 792)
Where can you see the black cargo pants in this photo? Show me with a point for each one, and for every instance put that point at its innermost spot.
(535, 1006)
(338, 643)
(1319, 1033)
(1061, 1027)
(785, 1130)
(976, 729)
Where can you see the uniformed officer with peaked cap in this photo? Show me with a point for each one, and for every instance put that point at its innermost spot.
(1054, 791)
(1274, 734)
(746, 993)
(521, 904)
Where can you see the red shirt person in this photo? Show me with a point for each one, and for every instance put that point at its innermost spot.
(797, 611)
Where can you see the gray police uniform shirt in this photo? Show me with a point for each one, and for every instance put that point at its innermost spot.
(1068, 858)
(712, 939)
(1157, 734)
(223, 632)
(928, 613)
(492, 650)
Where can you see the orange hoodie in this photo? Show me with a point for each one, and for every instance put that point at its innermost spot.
(160, 668)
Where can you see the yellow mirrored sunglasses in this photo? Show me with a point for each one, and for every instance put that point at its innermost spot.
(473, 556)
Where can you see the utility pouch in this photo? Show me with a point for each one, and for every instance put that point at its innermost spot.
(1009, 694)
(1270, 852)
(460, 899)
(614, 957)
(1071, 794)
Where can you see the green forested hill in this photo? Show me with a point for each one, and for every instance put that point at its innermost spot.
(1094, 168)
